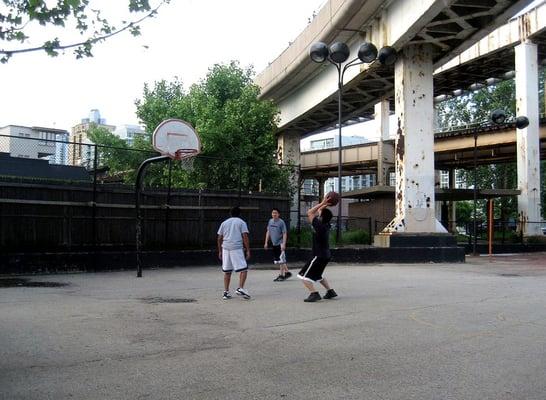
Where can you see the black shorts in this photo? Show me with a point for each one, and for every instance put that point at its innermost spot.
(279, 256)
(276, 252)
(313, 269)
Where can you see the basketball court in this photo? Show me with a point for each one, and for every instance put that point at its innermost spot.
(434, 331)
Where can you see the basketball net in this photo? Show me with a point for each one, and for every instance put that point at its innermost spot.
(186, 157)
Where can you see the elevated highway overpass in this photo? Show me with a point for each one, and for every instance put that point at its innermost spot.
(453, 150)
(427, 34)
(306, 91)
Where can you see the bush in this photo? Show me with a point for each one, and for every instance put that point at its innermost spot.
(306, 237)
(536, 240)
(356, 236)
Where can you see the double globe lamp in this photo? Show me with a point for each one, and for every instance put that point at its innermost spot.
(337, 54)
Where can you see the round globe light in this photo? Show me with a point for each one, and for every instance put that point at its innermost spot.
(339, 52)
(319, 52)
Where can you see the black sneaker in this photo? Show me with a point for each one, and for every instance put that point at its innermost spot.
(287, 275)
(279, 278)
(315, 296)
(330, 294)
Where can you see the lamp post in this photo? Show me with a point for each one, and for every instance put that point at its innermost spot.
(498, 117)
(337, 54)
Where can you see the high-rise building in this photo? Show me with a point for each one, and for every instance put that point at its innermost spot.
(83, 152)
(129, 132)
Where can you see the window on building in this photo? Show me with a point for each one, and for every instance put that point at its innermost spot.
(444, 179)
(322, 144)
(392, 179)
(459, 182)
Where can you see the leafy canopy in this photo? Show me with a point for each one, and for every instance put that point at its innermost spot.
(476, 107)
(236, 128)
(18, 18)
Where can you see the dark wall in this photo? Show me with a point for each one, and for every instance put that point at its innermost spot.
(381, 210)
(55, 217)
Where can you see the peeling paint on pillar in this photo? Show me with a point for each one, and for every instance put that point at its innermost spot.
(528, 142)
(414, 151)
(288, 152)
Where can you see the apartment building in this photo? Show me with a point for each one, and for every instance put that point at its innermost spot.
(33, 142)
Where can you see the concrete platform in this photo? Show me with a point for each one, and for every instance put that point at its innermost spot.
(413, 331)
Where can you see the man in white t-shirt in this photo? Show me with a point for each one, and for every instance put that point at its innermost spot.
(232, 237)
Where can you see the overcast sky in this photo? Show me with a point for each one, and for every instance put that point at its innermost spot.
(184, 40)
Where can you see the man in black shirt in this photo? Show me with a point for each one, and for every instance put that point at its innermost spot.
(320, 217)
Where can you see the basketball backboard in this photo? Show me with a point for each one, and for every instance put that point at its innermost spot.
(176, 138)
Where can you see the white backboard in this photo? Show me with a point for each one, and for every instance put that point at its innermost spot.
(173, 135)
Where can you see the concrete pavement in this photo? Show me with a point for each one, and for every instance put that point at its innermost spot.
(434, 331)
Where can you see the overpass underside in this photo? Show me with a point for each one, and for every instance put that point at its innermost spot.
(427, 34)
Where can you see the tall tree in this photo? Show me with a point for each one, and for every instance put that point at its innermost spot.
(235, 127)
(476, 107)
(18, 18)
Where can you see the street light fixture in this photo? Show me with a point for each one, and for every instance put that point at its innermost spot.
(337, 54)
(498, 117)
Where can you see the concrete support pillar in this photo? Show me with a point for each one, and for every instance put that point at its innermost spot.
(414, 149)
(385, 156)
(288, 152)
(528, 143)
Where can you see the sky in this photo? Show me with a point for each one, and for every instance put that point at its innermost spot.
(184, 40)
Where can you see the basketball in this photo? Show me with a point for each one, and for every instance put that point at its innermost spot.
(333, 198)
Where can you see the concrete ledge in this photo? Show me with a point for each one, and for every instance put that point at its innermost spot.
(415, 240)
(21, 263)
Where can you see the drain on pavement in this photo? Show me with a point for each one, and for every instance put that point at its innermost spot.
(510, 275)
(23, 282)
(152, 300)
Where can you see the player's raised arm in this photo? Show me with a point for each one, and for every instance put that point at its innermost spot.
(313, 212)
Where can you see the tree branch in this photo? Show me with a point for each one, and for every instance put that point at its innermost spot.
(52, 47)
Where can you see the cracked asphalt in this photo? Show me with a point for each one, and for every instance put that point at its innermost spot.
(418, 331)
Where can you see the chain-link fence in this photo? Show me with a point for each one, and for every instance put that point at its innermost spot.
(503, 231)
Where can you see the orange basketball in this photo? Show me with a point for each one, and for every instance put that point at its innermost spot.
(333, 198)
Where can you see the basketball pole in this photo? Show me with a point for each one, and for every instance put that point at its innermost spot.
(138, 187)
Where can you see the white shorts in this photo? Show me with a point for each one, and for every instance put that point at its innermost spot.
(233, 260)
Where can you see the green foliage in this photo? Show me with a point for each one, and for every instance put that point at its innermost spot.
(356, 236)
(164, 100)
(115, 154)
(306, 237)
(536, 240)
(464, 211)
(353, 236)
(17, 18)
(235, 127)
(477, 106)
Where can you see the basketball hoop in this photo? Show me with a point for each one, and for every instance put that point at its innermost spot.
(174, 139)
(178, 140)
(186, 157)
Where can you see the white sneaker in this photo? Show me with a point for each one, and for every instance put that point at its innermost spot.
(227, 295)
(243, 292)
